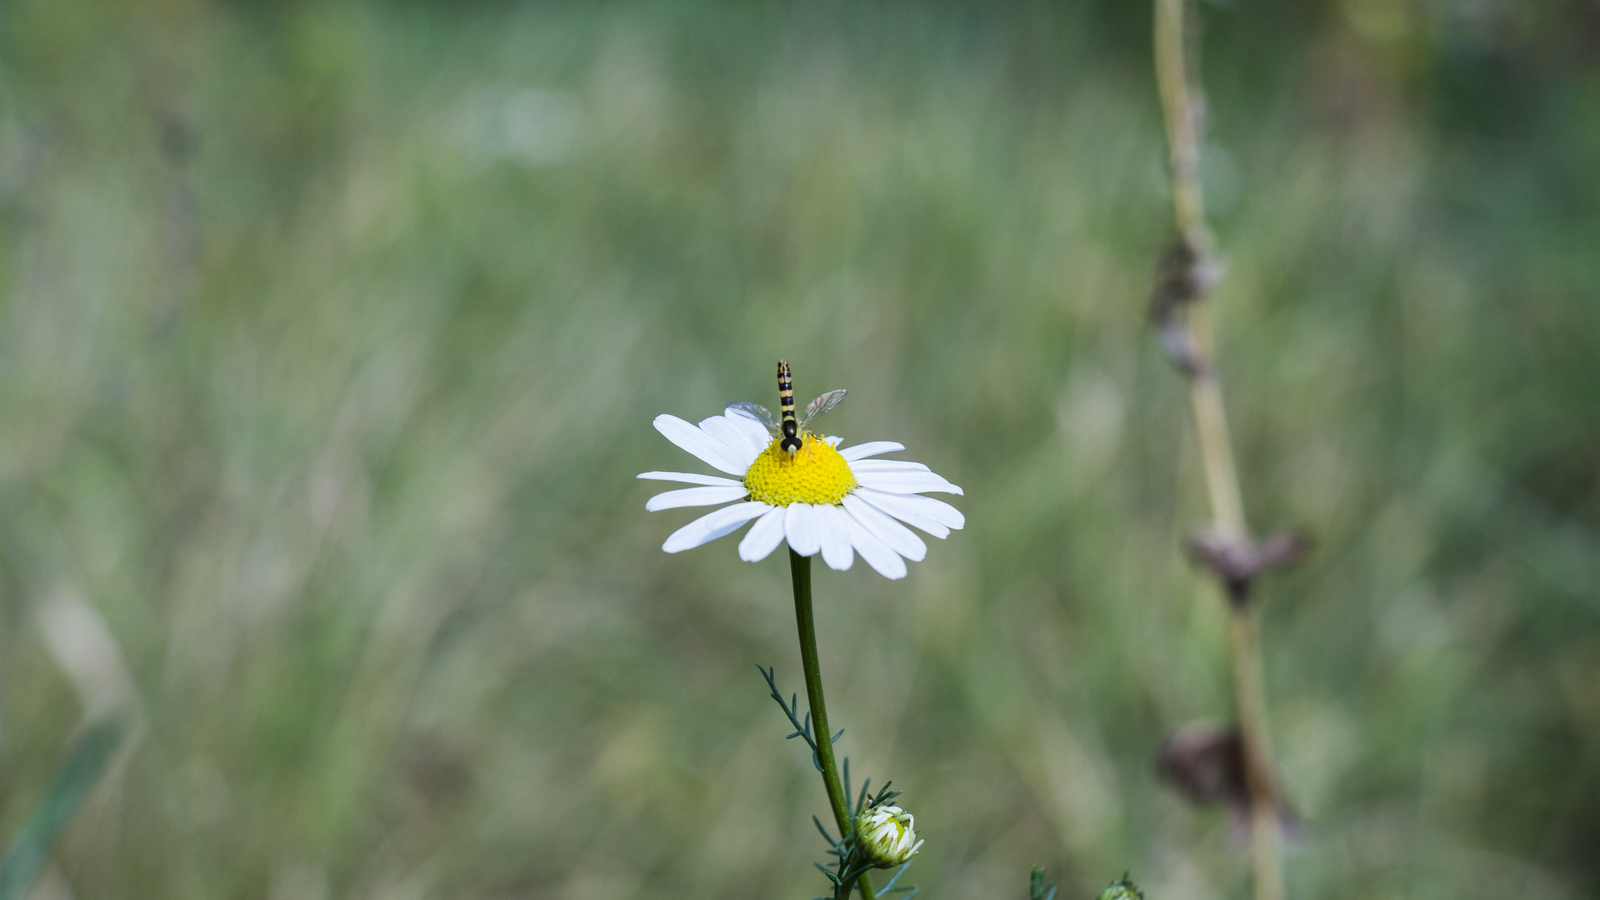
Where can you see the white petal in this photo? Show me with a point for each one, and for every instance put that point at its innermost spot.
(713, 525)
(702, 445)
(887, 465)
(899, 538)
(804, 529)
(876, 552)
(833, 441)
(906, 482)
(870, 448)
(698, 496)
(687, 478)
(836, 550)
(883, 503)
(904, 506)
(763, 537)
(737, 439)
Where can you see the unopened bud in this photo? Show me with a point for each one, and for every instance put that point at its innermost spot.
(1121, 889)
(887, 835)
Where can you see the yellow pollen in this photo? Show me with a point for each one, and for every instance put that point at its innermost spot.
(817, 474)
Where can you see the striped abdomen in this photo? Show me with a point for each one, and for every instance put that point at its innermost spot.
(791, 426)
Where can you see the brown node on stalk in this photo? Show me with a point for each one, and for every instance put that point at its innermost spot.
(1206, 762)
(1236, 561)
(1185, 274)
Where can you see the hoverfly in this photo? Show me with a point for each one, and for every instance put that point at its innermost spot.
(790, 430)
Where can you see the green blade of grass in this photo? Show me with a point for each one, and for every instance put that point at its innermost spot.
(81, 772)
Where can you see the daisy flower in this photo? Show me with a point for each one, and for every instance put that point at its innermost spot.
(818, 497)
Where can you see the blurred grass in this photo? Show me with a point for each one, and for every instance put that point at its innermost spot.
(331, 335)
(79, 775)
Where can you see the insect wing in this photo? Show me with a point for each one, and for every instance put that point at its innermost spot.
(817, 407)
(759, 413)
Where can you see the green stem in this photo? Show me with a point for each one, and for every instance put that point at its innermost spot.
(800, 568)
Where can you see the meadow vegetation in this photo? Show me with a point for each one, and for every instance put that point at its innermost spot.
(331, 334)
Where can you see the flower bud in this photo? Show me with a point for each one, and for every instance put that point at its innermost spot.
(887, 836)
(1122, 889)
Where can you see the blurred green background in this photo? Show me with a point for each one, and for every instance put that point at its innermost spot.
(330, 337)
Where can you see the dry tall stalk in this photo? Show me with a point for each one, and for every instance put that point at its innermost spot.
(1188, 273)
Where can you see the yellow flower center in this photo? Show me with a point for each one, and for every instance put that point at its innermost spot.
(816, 474)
